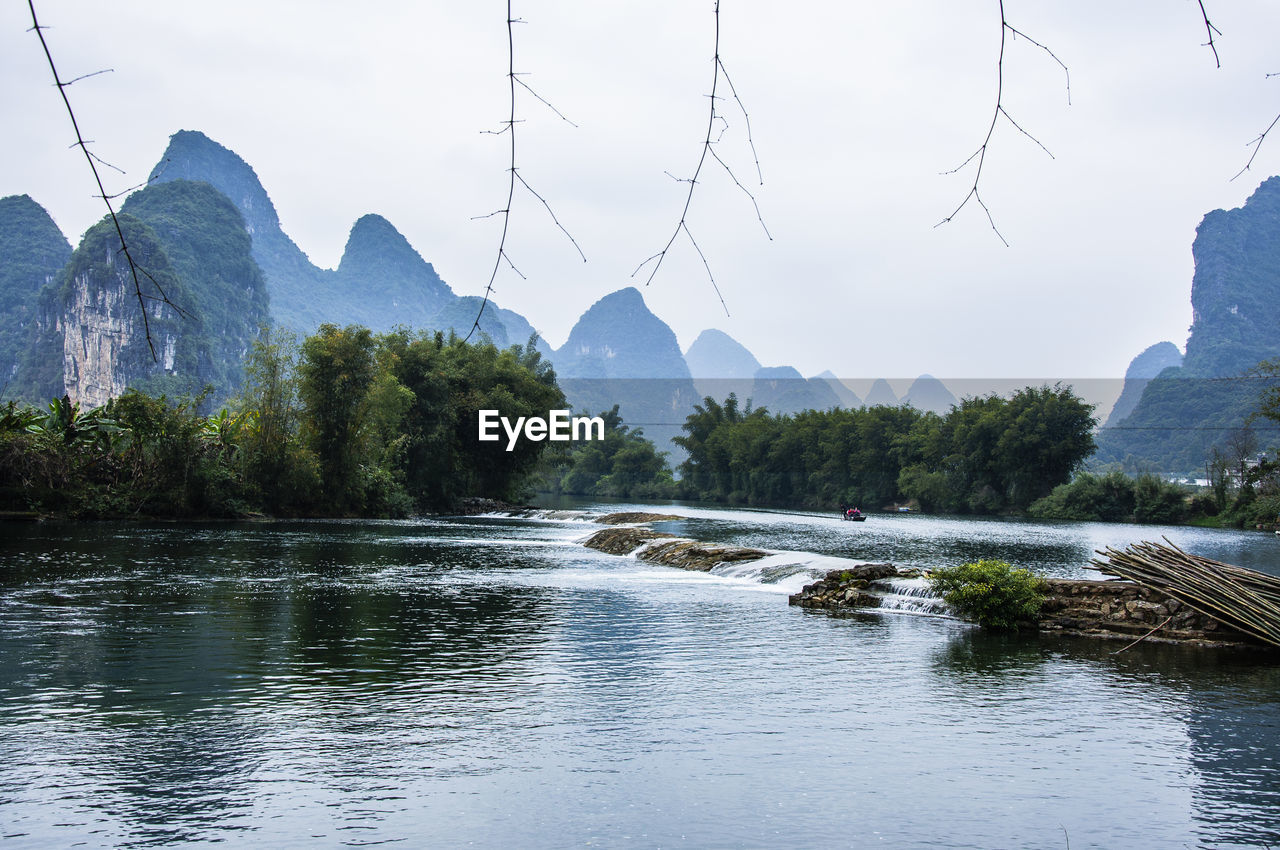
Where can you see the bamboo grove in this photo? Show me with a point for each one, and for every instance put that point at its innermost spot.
(986, 455)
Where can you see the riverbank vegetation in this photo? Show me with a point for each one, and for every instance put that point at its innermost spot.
(347, 423)
(986, 455)
(992, 593)
(623, 465)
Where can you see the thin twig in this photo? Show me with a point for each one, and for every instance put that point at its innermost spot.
(1210, 29)
(545, 102)
(1065, 70)
(1257, 145)
(511, 186)
(551, 213)
(92, 159)
(510, 127)
(980, 155)
(745, 117)
(708, 143)
(706, 265)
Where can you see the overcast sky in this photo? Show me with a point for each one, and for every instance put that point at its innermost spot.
(856, 110)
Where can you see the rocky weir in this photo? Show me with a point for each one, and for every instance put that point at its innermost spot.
(1106, 609)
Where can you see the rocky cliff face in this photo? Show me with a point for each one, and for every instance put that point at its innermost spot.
(1235, 297)
(104, 338)
(204, 237)
(1235, 293)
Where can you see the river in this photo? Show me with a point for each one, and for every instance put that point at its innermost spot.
(489, 682)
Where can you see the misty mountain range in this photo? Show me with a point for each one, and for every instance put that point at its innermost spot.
(208, 234)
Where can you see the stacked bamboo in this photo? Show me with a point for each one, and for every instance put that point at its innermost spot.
(1246, 600)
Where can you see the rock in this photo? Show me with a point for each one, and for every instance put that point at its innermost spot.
(622, 541)
(693, 555)
(635, 517)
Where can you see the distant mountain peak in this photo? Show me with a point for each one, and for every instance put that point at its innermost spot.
(1142, 369)
(191, 155)
(928, 393)
(619, 337)
(716, 355)
(881, 394)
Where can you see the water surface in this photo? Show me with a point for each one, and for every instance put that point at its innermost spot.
(490, 682)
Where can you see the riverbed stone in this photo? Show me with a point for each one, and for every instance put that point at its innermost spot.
(623, 540)
(635, 518)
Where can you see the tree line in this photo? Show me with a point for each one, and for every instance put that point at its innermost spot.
(986, 455)
(347, 423)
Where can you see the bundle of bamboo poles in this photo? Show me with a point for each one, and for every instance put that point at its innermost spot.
(1246, 600)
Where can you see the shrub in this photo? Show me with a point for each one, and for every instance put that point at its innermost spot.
(1159, 502)
(993, 593)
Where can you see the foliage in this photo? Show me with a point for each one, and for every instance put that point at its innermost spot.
(1159, 502)
(344, 424)
(1177, 421)
(624, 464)
(1117, 497)
(32, 252)
(991, 592)
(985, 455)
(204, 237)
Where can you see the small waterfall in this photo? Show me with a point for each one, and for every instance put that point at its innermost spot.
(909, 595)
(545, 514)
(786, 572)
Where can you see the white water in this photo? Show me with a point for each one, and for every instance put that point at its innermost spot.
(909, 596)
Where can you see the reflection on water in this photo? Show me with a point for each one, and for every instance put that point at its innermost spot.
(489, 681)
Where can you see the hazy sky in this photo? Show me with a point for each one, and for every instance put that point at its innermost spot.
(856, 110)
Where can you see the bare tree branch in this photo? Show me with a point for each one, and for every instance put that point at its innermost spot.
(510, 127)
(1257, 145)
(980, 155)
(747, 119)
(551, 213)
(93, 160)
(87, 76)
(708, 148)
(545, 102)
(1210, 29)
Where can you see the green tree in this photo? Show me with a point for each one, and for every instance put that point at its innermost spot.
(336, 372)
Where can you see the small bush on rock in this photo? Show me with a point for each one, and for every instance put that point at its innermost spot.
(991, 592)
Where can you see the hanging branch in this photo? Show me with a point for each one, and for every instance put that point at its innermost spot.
(134, 269)
(1210, 29)
(1257, 142)
(980, 155)
(708, 147)
(509, 126)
